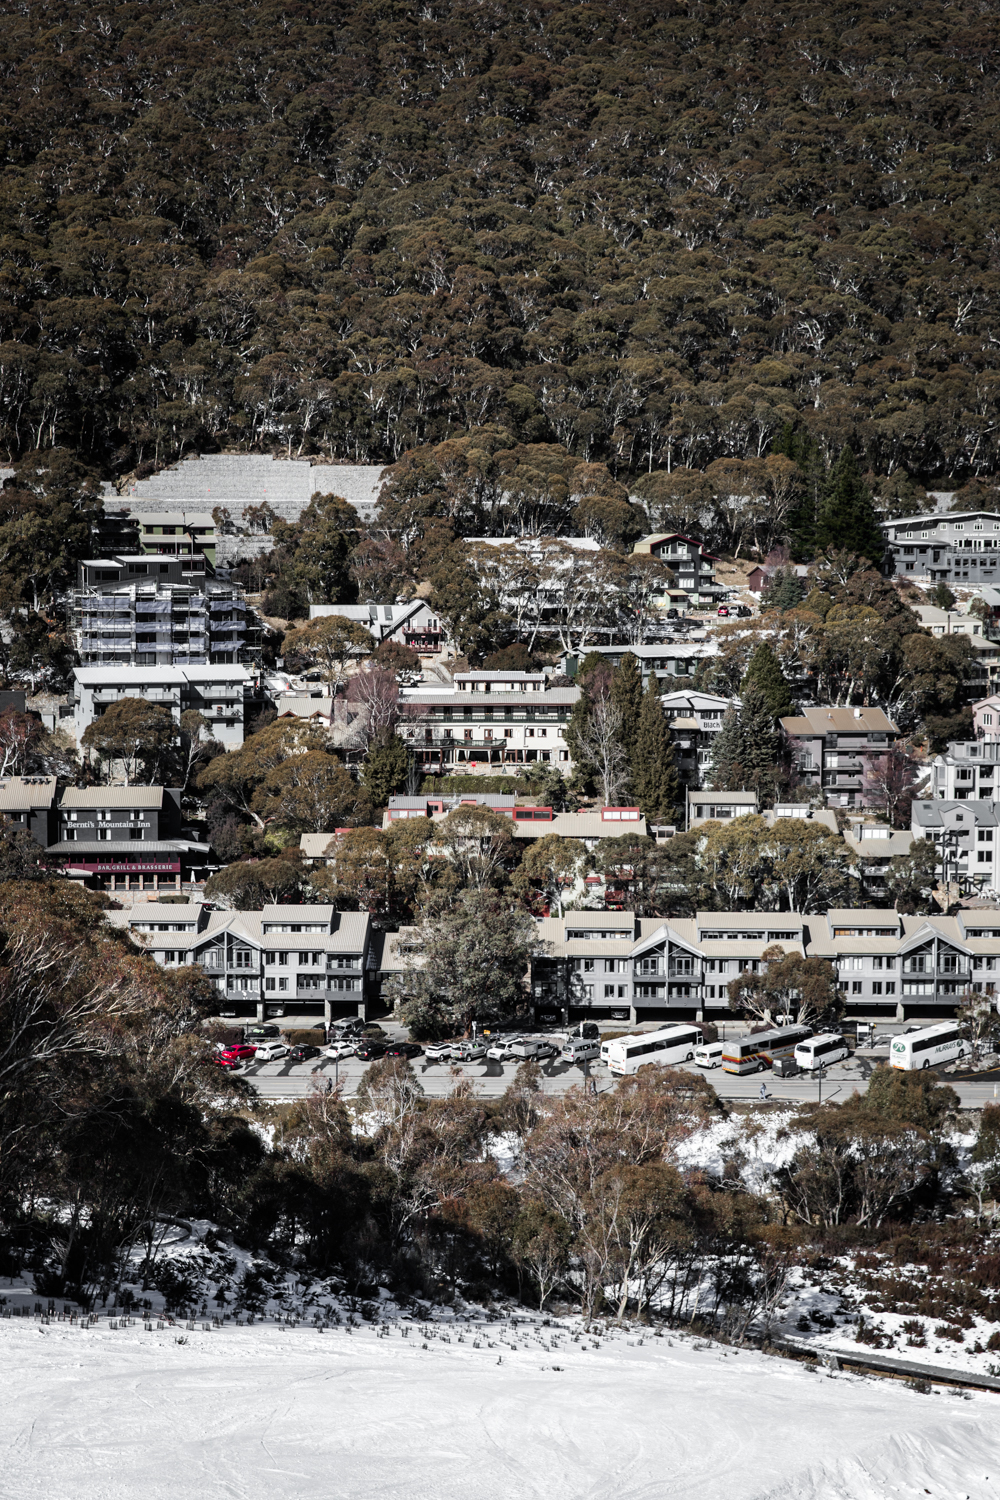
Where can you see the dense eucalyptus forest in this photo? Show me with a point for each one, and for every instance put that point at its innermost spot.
(653, 233)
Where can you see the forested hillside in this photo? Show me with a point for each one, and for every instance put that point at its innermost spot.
(652, 232)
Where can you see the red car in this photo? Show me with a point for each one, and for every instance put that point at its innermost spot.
(232, 1057)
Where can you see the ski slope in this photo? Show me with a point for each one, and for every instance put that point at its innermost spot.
(266, 1413)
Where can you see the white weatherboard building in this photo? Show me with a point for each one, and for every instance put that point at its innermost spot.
(221, 693)
(279, 960)
(650, 969)
(955, 547)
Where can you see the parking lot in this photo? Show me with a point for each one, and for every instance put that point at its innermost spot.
(282, 1080)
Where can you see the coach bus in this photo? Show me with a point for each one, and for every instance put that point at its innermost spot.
(754, 1053)
(820, 1051)
(674, 1044)
(928, 1046)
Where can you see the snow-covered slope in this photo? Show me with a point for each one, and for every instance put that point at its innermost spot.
(248, 1413)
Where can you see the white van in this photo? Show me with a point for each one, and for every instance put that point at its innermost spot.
(821, 1051)
(578, 1049)
(709, 1056)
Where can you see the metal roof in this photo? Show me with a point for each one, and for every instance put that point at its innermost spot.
(21, 793)
(132, 848)
(112, 796)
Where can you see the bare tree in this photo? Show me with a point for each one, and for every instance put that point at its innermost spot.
(600, 742)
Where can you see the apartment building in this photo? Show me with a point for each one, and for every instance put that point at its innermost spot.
(967, 836)
(717, 807)
(875, 846)
(695, 719)
(831, 747)
(278, 961)
(416, 625)
(618, 965)
(29, 804)
(488, 719)
(667, 661)
(129, 611)
(967, 770)
(692, 565)
(226, 695)
(127, 838)
(958, 547)
(190, 535)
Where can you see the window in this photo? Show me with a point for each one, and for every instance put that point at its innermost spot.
(243, 958)
(890, 988)
(877, 987)
(856, 987)
(609, 992)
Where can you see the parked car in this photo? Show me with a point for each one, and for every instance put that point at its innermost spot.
(403, 1049)
(743, 611)
(345, 1047)
(240, 1052)
(441, 1051)
(724, 611)
(303, 1052)
(346, 1026)
(533, 1047)
(709, 1056)
(262, 1031)
(579, 1049)
(370, 1050)
(673, 614)
(269, 1051)
(224, 1060)
(470, 1049)
(501, 1049)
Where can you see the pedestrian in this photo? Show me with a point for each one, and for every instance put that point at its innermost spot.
(763, 1091)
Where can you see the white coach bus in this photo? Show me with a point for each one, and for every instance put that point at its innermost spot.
(821, 1051)
(929, 1046)
(674, 1044)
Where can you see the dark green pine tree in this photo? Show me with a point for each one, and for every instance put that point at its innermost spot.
(654, 768)
(784, 590)
(744, 756)
(764, 672)
(727, 755)
(626, 694)
(803, 450)
(385, 767)
(758, 743)
(847, 520)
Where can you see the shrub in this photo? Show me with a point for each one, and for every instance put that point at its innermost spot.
(304, 1037)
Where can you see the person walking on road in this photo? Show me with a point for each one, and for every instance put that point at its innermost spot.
(763, 1091)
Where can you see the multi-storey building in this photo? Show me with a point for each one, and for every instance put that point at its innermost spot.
(417, 624)
(692, 565)
(179, 533)
(127, 838)
(875, 846)
(967, 836)
(958, 547)
(718, 806)
(141, 612)
(29, 803)
(967, 770)
(667, 662)
(650, 969)
(226, 696)
(280, 960)
(488, 719)
(695, 719)
(832, 746)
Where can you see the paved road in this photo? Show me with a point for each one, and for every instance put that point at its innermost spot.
(283, 1081)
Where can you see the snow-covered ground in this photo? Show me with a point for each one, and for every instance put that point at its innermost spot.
(248, 1413)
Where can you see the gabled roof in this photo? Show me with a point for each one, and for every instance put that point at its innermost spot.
(113, 796)
(21, 793)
